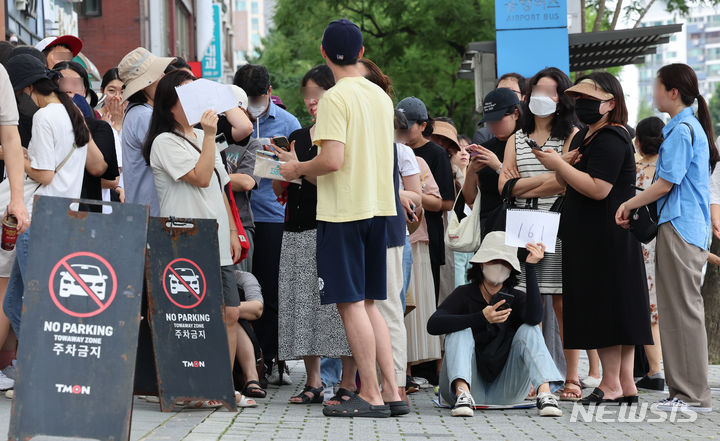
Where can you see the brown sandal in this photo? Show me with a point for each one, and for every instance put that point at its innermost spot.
(569, 395)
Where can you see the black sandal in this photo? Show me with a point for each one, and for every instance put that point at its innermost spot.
(596, 397)
(341, 394)
(357, 407)
(398, 408)
(316, 398)
(253, 392)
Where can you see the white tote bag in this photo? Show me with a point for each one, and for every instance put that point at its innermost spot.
(464, 235)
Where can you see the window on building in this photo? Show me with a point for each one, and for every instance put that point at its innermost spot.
(91, 8)
(256, 40)
(255, 25)
(240, 5)
(254, 8)
(183, 30)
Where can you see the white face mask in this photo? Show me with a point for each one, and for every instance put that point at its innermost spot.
(542, 106)
(257, 110)
(495, 273)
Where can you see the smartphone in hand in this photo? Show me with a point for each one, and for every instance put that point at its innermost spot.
(282, 142)
(502, 295)
(533, 145)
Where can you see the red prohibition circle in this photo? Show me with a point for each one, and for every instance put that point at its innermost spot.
(199, 296)
(101, 308)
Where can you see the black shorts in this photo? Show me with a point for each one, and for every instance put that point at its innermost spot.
(351, 258)
(231, 295)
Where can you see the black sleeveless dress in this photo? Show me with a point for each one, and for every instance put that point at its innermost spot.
(605, 297)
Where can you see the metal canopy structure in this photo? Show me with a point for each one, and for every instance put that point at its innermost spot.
(594, 50)
(588, 51)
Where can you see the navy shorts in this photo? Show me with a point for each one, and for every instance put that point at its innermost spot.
(351, 259)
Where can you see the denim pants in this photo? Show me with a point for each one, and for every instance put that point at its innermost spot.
(330, 371)
(12, 305)
(407, 269)
(462, 263)
(529, 363)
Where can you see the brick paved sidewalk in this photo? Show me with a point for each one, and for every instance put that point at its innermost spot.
(275, 419)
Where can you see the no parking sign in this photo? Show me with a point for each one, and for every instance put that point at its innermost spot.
(185, 300)
(79, 330)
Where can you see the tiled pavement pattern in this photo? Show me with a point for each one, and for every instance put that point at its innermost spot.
(275, 419)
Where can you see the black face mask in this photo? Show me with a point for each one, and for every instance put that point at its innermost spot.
(588, 111)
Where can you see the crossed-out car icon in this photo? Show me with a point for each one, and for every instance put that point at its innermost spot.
(90, 274)
(189, 276)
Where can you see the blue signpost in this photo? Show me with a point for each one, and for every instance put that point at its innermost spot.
(212, 60)
(531, 35)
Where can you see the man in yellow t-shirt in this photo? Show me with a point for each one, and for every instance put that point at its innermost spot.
(354, 167)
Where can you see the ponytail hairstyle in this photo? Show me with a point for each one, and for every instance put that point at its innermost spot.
(46, 87)
(162, 119)
(682, 77)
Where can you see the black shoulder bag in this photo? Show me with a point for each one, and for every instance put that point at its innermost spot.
(497, 218)
(644, 220)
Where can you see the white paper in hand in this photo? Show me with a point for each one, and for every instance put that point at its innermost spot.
(532, 226)
(200, 95)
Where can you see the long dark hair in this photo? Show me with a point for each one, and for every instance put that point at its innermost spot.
(78, 69)
(610, 84)
(46, 87)
(564, 119)
(682, 77)
(476, 277)
(165, 98)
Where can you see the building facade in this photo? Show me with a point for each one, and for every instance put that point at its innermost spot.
(698, 45)
(165, 27)
(252, 19)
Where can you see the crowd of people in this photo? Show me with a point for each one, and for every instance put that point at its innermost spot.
(348, 268)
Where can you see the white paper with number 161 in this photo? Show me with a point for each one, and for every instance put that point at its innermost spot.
(532, 226)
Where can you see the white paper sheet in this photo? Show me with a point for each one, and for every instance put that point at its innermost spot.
(201, 95)
(532, 226)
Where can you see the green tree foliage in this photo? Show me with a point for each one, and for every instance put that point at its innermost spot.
(645, 110)
(714, 106)
(418, 43)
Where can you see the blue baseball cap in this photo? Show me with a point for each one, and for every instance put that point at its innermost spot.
(342, 41)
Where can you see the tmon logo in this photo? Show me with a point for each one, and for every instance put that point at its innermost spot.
(72, 389)
(193, 364)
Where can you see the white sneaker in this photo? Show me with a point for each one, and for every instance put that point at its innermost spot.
(422, 382)
(547, 405)
(10, 371)
(274, 377)
(590, 382)
(463, 405)
(668, 405)
(10, 394)
(6, 382)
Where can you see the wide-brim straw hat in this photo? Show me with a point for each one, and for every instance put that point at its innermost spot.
(493, 248)
(139, 69)
(590, 88)
(446, 130)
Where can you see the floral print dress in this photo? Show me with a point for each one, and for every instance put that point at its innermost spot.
(645, 173)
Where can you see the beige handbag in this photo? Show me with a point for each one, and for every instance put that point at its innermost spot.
(464, 235)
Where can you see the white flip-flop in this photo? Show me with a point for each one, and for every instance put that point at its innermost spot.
(244, 401)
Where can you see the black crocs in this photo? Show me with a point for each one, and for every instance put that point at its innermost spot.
(398, 408)
(357, 407)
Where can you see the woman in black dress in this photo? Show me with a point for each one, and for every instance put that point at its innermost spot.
(604, 286)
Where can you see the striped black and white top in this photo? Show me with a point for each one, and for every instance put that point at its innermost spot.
(549, 270)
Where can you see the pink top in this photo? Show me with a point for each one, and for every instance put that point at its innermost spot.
(429, 186)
